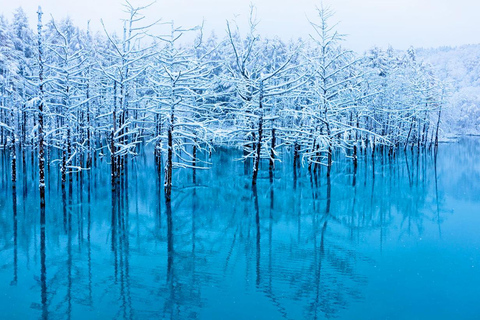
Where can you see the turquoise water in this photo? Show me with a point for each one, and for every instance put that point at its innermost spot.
(394, 240)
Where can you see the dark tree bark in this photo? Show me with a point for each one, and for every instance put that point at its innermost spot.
(169, 164)
(41, 151)
(272, 154)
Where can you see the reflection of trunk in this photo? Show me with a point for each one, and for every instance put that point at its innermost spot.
(158, 218)
(270, 238)
(15, 234)
(436, 195)
(354, 204)
(114, 230)
(170, 254)
(43, 264)
(69, 264)
(318, 267)
(120, 243)
(272, 199)
(89, 226)
(329, 195)
(64, 207)
(372, 193)
(194, 239)
(169, 239)
(322, 241)
(257, 223)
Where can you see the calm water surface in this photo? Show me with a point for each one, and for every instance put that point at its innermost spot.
(393, 240)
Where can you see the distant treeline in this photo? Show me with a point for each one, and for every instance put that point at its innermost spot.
(459, 68)
(87, 95)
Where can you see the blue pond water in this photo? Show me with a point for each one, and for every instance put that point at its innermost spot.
(394, 240)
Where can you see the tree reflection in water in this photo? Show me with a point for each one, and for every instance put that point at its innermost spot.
(290, 244)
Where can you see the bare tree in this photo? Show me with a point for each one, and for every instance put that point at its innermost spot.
(256, 82)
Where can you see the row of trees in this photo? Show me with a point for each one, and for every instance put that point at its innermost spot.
(459, 68)
(83, 96)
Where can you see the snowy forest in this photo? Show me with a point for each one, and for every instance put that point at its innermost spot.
(159, 171)
(72, 97)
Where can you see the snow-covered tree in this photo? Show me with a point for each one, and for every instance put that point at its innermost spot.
(256, 71)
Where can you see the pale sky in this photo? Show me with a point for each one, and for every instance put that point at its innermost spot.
(400, 23)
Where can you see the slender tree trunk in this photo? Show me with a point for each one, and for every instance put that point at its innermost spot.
(194, 162)
(13, 148)
(158, 145)
(113, 155)
(272, 153)
(257, 152)
(436, 131)
(64, 160)
(41, 152)
(329, 167)
(89, 134)
(24, 125)
(310, 162)
(296, 148)
(169, 164)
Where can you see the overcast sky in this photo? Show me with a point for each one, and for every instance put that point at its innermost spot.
(400, 23)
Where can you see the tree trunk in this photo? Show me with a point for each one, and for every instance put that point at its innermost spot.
(257, 152)
(113, 155)
(436, 131)
(272, 154)
(41, 152)
(169, 164)
(194, 162)
(13, 148)
(296, 148)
